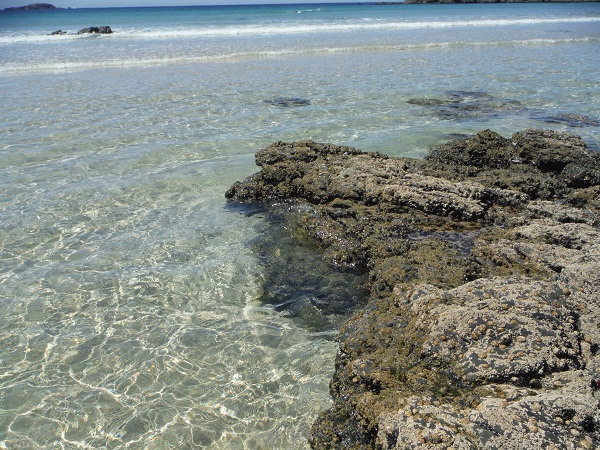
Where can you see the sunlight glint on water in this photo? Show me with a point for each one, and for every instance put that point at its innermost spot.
(130, 294)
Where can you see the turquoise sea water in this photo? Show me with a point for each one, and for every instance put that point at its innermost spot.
(136, 309)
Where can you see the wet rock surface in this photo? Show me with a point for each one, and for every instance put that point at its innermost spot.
(104, 29)
(482, 328)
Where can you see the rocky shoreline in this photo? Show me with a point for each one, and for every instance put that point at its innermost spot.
(482, 328)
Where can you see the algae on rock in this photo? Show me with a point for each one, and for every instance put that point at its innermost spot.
(481, 330)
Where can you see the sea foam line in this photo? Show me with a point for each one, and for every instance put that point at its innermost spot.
(360, 26)
(296, 28)
(74, 66)
(306, 28)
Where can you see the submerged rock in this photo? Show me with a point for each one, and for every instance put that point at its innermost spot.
(573, 120)
(297, 282)
(481, 329)
(286, 102)
(457, 105)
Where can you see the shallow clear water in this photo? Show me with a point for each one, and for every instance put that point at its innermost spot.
(137, 309)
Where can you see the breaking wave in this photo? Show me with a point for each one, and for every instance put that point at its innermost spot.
(73, 66)
(280, 28)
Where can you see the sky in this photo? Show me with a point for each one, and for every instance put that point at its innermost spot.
(115, 3)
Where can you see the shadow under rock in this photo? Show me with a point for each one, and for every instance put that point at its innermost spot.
(297, 281)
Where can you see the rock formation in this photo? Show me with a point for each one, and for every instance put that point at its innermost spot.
(90, 30)
(99, 30)
(482, 328)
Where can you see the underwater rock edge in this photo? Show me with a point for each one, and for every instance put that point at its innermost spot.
(482, 326)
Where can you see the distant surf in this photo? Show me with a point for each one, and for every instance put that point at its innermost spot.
(339, 26)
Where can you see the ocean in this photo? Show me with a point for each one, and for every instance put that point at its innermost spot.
(139, 310)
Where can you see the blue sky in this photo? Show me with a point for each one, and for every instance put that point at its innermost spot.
(113, 3)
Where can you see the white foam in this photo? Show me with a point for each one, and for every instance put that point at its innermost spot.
(51, 67)
(294, 28)
(342, 26)
(40, 38)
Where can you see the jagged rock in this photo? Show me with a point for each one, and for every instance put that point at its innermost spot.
(99, 30)
(89, 30)
(523, 345)
(481, 329)
(562, 212)
(326, 174)
(541, 163)
(509, 417)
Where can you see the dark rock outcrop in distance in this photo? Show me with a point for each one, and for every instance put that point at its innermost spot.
(99, 30)
(34, 6)
(482, 326)
(90, 30)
